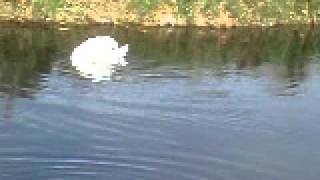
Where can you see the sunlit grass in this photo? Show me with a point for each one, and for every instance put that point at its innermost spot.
(261, 12)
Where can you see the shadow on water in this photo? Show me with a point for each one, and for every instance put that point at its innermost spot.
(27, 54)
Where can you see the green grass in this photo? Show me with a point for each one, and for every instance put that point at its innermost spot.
(47, 7)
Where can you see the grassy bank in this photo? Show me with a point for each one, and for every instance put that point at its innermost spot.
(164, 12)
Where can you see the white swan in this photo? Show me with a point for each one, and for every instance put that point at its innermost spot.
(97, 57)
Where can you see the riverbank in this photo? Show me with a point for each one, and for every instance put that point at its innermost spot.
(161, 14)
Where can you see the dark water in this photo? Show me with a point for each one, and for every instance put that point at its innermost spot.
(238, 104)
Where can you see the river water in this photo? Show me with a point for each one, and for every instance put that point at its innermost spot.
(238, 104)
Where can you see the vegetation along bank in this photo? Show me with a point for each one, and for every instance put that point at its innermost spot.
(163, 12)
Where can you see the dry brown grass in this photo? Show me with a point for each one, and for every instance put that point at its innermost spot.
(122, 12)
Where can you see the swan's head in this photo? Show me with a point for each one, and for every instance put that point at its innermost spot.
(98, 57)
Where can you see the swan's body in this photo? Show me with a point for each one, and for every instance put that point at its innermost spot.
(97, 57)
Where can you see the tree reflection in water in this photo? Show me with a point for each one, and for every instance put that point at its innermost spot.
(26, 55)
(279, 54)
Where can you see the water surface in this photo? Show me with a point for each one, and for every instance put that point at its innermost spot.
(192, 104)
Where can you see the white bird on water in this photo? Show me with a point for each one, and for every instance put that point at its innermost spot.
(97, 57)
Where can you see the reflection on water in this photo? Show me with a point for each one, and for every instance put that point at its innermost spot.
(191, 104)
(27, 54)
